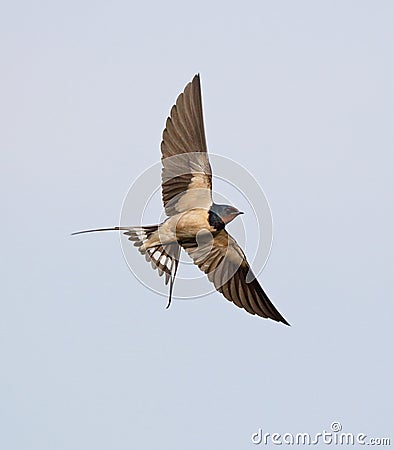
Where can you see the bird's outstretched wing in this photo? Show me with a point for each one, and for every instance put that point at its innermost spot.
(225, 264)
(186, 174)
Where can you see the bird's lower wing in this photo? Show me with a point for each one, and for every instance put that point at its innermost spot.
(226, 266)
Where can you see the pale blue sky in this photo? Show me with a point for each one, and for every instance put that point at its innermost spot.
(301, 93)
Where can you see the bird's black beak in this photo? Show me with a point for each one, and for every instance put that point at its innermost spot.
(241, 212)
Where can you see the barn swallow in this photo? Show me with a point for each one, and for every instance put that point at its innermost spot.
(195, 223)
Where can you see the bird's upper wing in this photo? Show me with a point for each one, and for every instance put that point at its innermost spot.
(186, 174)
(225, 264)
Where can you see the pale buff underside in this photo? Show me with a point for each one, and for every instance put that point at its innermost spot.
(185, 225)
(193, 224)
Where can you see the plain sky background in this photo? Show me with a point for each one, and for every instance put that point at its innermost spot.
(301, 93)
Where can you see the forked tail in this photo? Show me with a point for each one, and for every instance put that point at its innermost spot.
(164, 258)
(136, 234)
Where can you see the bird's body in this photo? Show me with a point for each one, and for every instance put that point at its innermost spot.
(195, 223)
(183, 226)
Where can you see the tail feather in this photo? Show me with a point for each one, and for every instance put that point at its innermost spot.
(100, 229)
(138, 235)
(164, 258)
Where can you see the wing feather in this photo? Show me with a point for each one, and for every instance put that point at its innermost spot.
(186, 174)
(226, 266)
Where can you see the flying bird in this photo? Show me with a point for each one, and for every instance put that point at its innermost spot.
(195, 223)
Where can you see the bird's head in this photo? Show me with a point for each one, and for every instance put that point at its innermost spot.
(226, 212)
